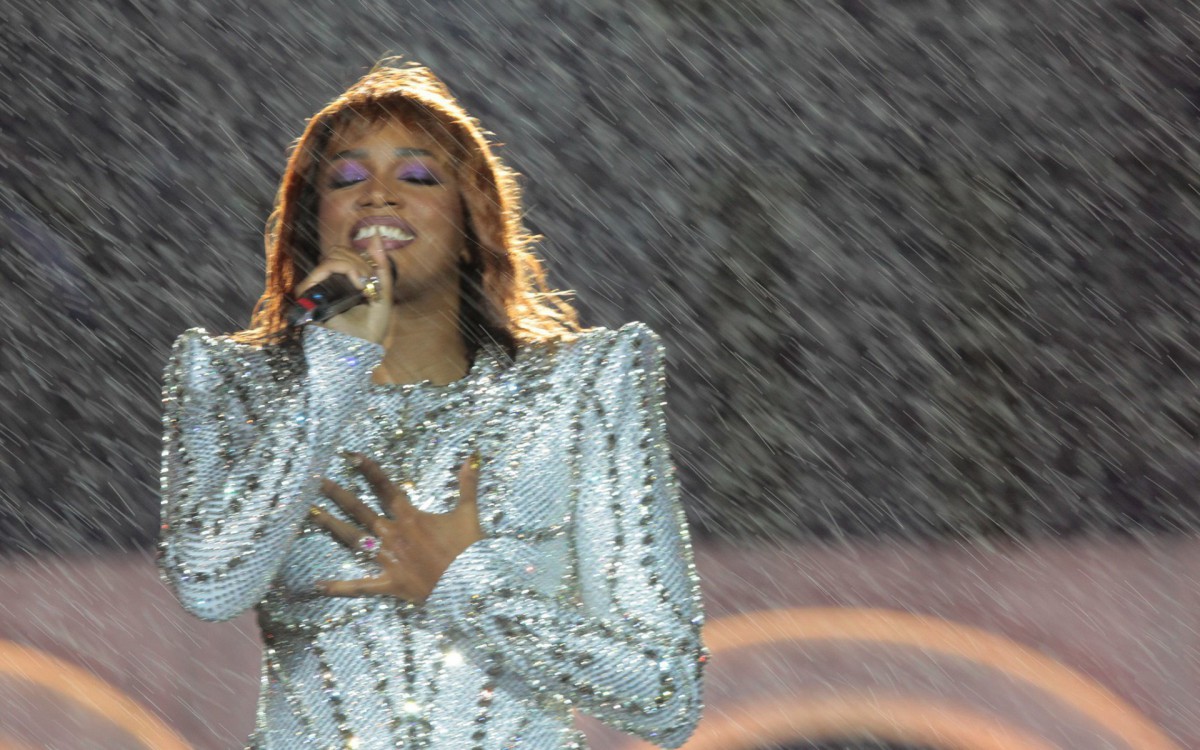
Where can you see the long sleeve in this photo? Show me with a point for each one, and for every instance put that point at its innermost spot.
(628, 649)
(246, 435)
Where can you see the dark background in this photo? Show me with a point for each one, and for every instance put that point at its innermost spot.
(922, 268)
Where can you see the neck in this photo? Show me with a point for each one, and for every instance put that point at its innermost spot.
(422, 345)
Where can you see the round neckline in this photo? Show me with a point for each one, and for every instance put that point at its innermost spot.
(474, 372)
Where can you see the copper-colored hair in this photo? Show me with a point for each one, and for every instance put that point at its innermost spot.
(505, 296)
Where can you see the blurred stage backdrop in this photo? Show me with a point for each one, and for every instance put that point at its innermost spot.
(925, 271)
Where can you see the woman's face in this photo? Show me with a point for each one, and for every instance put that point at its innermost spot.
(397, 181)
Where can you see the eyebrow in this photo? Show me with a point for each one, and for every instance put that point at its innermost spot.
(358, 153)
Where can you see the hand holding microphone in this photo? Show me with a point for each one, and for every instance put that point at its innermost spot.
(330, 298)
(348, 292)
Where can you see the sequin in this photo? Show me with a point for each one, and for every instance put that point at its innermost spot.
(582, 595)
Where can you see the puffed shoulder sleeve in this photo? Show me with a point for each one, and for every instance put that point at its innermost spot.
(247, 432)
(628, 650)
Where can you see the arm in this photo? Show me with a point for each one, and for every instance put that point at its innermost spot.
(629, 650)
(242, 454)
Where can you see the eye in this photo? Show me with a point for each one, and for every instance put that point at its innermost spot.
(418, 174)
(347, 173)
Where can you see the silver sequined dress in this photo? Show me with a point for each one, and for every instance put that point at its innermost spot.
(582, 595)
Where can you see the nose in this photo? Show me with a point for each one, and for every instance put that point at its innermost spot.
(378, 192)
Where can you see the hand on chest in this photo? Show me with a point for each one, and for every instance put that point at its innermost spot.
(525, 485)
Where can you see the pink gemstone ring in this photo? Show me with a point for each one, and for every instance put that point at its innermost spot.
(368, 544)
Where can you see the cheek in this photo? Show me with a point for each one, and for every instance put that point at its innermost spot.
(326, 210)
(448, 214)
(330, 214)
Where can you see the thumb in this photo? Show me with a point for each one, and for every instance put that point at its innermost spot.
(468, 480)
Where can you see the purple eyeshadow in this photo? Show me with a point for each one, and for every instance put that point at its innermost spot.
(349, 171)
(416, 172)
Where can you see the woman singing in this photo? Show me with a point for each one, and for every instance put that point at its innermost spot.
(453, 510)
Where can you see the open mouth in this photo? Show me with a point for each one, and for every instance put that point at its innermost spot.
(393, 237)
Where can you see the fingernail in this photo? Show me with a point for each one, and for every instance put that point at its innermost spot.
(355, 459)
(314, 512)
(476, 459)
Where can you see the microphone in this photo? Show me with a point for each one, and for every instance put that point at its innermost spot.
(323, 301)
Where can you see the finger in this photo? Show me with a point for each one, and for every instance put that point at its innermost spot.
(356, 587)
(391, 273)
(386, 273)
(376, 255)
(347, 252)
(350, 503)
(346, 533)
(399, 505)
(318, 275)
(378, 479)
(353, 268)
(359, 267)
(468, 480)
(383, 272)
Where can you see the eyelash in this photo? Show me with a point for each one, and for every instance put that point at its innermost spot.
(428, 181)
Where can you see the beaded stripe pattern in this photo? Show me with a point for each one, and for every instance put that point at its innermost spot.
(582, 596)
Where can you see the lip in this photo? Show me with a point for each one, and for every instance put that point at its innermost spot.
(389, 221)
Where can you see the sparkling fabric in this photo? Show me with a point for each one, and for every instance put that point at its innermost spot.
(582, 595)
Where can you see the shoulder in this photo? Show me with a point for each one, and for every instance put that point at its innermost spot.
(196, 349)
(607, 357)
(200, 340)
(592, 345)
(198, 343)
(601, 341)
(635, 340)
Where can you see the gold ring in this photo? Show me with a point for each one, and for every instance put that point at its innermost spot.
(370, 289)
(367, 259)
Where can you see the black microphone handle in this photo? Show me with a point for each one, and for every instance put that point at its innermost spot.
(325, 300)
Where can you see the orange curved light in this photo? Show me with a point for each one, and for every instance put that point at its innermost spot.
(89, 691)
(923, 722)
(936, 635)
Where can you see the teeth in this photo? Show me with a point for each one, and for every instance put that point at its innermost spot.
(388, 232)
